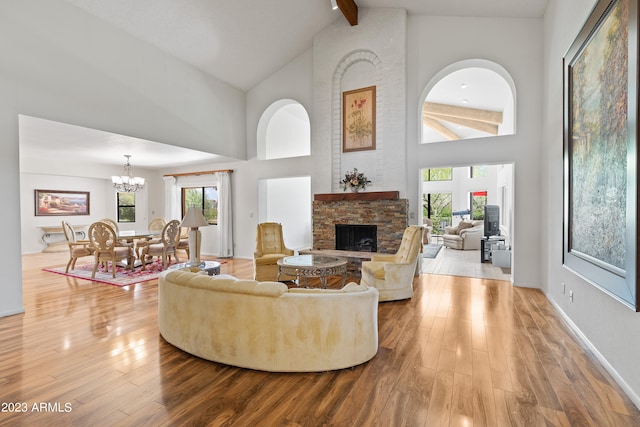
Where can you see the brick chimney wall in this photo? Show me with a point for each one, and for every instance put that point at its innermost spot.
(390, 217)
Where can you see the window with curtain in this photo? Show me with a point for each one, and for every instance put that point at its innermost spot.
(204, 197)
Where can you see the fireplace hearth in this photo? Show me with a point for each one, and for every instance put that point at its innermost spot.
(357, 237)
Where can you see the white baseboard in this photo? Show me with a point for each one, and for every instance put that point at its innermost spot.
(605, 363)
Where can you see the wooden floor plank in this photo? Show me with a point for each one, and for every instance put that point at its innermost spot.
(462, 351)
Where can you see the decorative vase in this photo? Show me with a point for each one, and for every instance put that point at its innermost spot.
(355, 189)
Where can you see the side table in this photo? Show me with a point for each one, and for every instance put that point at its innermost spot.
(487, 245)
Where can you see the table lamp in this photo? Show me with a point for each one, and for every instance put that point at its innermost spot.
(194, 219)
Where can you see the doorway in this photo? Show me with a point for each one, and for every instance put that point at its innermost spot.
(450, 195)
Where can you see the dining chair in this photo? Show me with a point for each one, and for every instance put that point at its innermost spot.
(166, 247)
(156, 224)
(103, 239)
(77, 248)
(114, 225)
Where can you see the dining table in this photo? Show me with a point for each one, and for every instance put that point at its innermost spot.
(130, 236)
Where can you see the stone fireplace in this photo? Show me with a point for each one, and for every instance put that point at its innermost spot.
(384, 210)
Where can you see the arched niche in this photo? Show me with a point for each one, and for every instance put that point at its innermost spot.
(357, 69)
(284, 130)
(469, 99)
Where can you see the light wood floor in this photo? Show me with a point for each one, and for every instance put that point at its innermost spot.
(462, 352)
(454, 262)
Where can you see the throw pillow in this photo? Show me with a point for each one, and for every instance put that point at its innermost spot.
(464, 225)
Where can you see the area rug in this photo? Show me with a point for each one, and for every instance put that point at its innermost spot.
(431, 250)
(123, 277)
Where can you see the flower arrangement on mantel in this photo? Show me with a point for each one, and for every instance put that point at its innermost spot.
(355, 181)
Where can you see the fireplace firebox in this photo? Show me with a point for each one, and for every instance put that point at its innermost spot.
(356, 237)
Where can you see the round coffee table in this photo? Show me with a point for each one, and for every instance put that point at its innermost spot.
(313, 266)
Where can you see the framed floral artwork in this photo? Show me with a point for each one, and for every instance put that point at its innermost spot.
(359, 119)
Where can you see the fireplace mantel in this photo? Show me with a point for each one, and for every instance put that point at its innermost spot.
(374, 195)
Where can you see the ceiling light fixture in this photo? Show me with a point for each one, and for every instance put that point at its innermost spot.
(334, 4)
(463, 86)
(127, 183)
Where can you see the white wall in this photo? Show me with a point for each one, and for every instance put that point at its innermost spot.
(62, 64)
(609, 327)
(293, 81)
(515, 45)
(288, 202)
(345, 57)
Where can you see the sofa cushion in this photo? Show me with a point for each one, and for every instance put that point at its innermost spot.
(375, 269)
(268, 259)
(463, 226)
(226, 284)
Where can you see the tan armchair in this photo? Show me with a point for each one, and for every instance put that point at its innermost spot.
(165, 247)
(393, 274)
(104, 243)
(270, 248)
(428, 229)
(77, 248)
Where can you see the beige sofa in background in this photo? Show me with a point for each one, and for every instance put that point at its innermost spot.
(264, 325)
(465, 236)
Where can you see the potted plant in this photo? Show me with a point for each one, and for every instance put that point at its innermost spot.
(354, 180)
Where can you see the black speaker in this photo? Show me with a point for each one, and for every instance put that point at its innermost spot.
(491, 220)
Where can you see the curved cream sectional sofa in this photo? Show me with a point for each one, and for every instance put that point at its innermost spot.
(264, 325)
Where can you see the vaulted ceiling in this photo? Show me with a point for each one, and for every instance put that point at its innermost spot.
(243, 41)
(240, 42)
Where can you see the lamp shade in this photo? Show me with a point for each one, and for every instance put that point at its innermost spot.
(194, 218)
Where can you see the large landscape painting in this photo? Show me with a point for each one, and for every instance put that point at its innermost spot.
(599, 144)
(600, 151)
(61, 203)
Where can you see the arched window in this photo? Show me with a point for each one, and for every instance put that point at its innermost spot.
(284, 130)
(469, 99)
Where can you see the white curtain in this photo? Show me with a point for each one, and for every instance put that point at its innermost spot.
(171, 204)
(225, 219)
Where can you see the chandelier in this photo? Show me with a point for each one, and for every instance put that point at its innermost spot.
(127, 183)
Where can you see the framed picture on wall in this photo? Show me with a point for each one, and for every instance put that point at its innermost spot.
(61, 203)
(359, 119)
(600, 151)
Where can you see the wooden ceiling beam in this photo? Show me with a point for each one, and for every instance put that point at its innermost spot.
(349, 9)
(440, 128)
(489, 128)
(487, 116)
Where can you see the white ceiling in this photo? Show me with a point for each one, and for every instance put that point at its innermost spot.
(41, 138)
(238, 41)
(228, 39)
